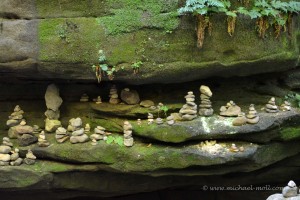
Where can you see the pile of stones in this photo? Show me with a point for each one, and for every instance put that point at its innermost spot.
(252, 117)
(16, 117)
(61, 135)
(130, 97)
(240, 120)
(5, 152)
(99, 134)
(53, 103)
(84, 98)
(189, 110)
(78, 135)
(230, 110)
(289, 192)
(113, 95)
(170, 120)
(15, 159)
(205, 107)
(159, 121)
(42, 141)
(128, 139)
(30, 158)
(98, 100)
(286, 106)
(24, 133)
(271, 106)
(150, 118)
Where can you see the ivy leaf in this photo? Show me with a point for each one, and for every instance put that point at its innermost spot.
(119, 141)
(110, 139)
(104, 67)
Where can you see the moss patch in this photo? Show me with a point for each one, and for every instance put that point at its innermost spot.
(292, 133)
(69, 40)
(131, 15)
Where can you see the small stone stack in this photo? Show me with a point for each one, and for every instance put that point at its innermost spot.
(230, 110)
(291, 190)
(5, 150)
(24, 133)
(30, 158)
(150, 118)
(170, 120)
(189, 110)
(240, 120)
(205, 107)
(94, 142)
(78, 135)
(42, 141)
(61, 135)
(98, 100)
(113, 94)
(16, 117)
(159, 121)
(53, 103)
(252, 117)
(271, 106)
(87, 129)
(84, 98)
(36, 129)
(15, 159)
(128, 139)
(286, 106)
(99, 134)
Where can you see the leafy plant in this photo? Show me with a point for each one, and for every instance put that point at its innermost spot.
(293, 98)
(202, 9)
(103, 68)
(136, 66)
(164, 109)
(117, 140)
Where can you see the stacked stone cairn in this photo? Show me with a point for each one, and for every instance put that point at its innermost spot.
(15, 159)
(99, 134)
(5, 151)
(42, 141)
(36, 129)
(78, 135)
(16, 117)
(139, 122)
(84, 98)
(87, 128)
(240, 120)
(94, 142)
(252, 117)
(230, 110)
(289, 192)
(170, 120)
(128, 139)
(30, 158)
(24, 133)
(159, 121)
(113, 95)
(271, 106)
(98, 100)
(61, 135)
(150, 118)
(205, 107)
(189, 110)
(53, 102)
(286, 106)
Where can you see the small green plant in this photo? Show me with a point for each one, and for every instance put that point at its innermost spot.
(136, 66)
(117, 140)
(103, 68)
(165, 109)
(294, 98)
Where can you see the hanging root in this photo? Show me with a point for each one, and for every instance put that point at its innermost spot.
(262, 26)
(277, 30)
(203, 23)
(231, 21)
(290, 24)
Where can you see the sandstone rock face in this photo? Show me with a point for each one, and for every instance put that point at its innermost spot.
(47, 45)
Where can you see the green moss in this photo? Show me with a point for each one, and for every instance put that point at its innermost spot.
(131, 15)
(80, 44)
(70, 8)
(287, 134)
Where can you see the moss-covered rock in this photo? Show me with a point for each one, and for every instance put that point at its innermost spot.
(217, 127)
